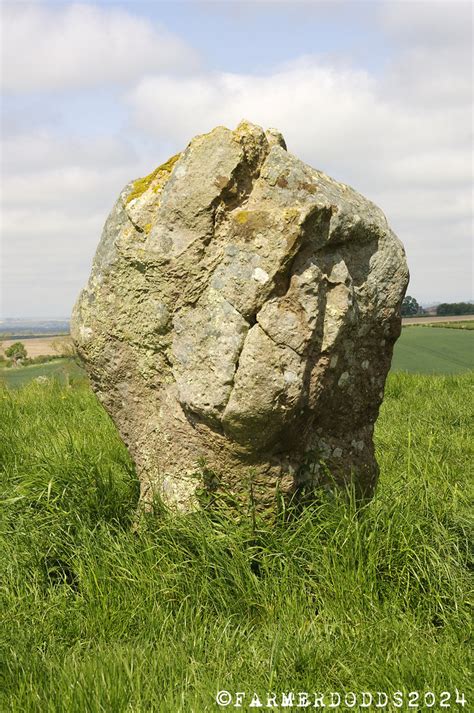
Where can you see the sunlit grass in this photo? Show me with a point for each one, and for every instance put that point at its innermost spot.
(98, 617)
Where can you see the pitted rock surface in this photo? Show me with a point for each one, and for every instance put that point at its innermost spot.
(239, 320)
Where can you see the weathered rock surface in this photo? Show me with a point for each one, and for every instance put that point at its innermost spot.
(240, 319)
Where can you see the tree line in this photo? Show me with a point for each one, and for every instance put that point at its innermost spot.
(455, 308)
(411, 308)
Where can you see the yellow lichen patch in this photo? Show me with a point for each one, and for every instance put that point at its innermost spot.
(156, 179)
(250, 225)
(245, 127)
(292, 214)
(147, 228)
(242, 216)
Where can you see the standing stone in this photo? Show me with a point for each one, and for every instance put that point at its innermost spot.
(239, 322)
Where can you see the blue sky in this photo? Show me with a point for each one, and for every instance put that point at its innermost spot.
(377, 94)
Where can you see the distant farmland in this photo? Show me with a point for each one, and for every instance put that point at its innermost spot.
(41, 346)
(434, 351)
(433, 319)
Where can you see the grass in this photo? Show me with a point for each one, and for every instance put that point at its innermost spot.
(61, 370)
(100, 618)
(434, 351)
(468, 324)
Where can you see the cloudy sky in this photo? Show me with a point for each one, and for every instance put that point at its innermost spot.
(377, 94)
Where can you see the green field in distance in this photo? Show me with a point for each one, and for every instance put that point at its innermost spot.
(434, 351)
(60, 369)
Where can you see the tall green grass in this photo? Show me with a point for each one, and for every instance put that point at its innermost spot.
(98, 617)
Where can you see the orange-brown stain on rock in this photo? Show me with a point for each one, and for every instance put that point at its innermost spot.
(308, 187)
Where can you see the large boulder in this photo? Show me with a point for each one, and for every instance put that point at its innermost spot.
(239, 321)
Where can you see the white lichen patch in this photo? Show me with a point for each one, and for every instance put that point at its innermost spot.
(180, 492)
(337, 452)
(365, 364)
(180, 171)
(260, 275)
(85, 333)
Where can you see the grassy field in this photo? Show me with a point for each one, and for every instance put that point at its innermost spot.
(62, 370)
(454, 325)
(426, 350)
(100, 618)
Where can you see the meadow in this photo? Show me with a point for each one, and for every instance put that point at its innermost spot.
(61, 370)
(461, 324)
(432, 349)
(98, 616)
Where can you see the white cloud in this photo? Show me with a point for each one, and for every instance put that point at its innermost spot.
(78, 45)
(56, 193)
(73, 189)
(435, 23)
(41, 150)
(438, 79)
(435, 66)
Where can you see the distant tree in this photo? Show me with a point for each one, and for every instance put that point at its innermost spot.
(451, 308)
(16, 352)
(410, 307)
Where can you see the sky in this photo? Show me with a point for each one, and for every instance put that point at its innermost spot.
(377, 94)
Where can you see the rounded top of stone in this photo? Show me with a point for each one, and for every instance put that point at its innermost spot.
(275, 138)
